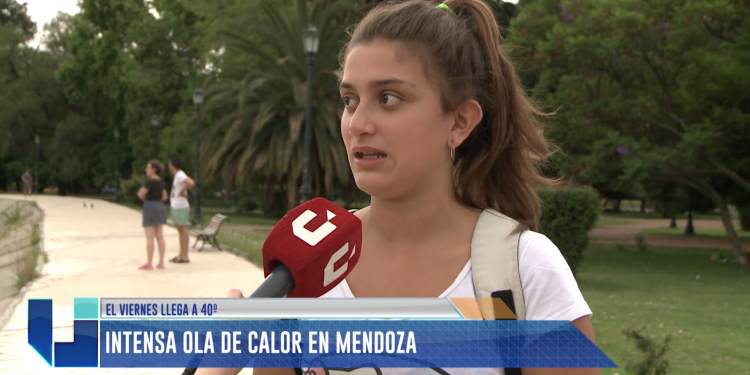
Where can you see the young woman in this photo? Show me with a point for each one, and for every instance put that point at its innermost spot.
(153, 194)
(437, 130)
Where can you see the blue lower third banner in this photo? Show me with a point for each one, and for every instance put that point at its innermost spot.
(347, 344)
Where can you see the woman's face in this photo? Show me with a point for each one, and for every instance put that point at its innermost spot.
(149, 170)
(393, 126)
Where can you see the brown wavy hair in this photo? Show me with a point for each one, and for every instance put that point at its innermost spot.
(497, 165)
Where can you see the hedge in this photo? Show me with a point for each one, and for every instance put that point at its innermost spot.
(568, 214)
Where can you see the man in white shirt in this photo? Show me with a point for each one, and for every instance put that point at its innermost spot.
(180, 207)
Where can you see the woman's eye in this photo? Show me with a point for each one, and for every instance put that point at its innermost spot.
(389, 99)
(348, 101)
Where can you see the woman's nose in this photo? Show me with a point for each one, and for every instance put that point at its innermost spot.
(361, 121)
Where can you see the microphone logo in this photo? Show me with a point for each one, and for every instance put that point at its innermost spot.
(312, 237)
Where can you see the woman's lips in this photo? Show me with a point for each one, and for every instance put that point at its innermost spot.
(368, 156)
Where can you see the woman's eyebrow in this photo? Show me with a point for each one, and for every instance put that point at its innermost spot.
(378, 83)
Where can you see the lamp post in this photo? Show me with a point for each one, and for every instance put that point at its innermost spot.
(311, 41)
(36, 166)
(117, 165)
(197, 100)
(154, 126)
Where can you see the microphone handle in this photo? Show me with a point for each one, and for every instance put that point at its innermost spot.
(277, 285)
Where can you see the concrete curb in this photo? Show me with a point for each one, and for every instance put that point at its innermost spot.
(18, 298)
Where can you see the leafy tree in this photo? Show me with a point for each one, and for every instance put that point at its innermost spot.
(664, 79)
(259, 133)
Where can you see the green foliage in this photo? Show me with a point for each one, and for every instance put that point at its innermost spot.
(129, 189)
(260, 109)
(653, 361)
(568, 215)
(14, 216)
(644, 90)
(640, 242)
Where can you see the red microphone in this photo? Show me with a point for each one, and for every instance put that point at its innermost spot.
(309, 251)
(313, 248)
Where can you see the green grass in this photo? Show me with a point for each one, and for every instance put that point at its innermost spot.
(653, 215)
(699, 232)
(704, 304)
(249, 244)
(14, 216)
(235, 218)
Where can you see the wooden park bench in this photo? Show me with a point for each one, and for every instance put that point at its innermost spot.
(208, 234)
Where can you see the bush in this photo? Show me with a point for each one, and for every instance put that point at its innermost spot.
(652, 353)
(129, 189)
(640, 242)
(568, 214)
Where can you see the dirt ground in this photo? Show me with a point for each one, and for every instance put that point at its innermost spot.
(629, 228)
(624, 232)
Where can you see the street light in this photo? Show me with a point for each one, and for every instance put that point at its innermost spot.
(36, 166)
(154, 126)
(311, 40)
(197, 100)
(117, 165)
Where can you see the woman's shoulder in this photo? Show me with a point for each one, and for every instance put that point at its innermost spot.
(550, 288)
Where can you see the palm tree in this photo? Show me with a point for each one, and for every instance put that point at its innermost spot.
(261, 108)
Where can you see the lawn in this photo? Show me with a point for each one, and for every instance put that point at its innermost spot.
(235, 218)
(699, 232)
(704, 304)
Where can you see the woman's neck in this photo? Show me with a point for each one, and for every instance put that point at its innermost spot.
(431, 216)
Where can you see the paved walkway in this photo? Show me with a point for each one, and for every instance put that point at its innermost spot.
(95, 252)
(626, 231)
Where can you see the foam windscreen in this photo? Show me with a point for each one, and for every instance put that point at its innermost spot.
(320, 243)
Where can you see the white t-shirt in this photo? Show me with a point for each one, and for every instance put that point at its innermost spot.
(550, 292)
(178, 184)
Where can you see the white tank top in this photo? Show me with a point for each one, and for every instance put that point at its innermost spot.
(549, 289)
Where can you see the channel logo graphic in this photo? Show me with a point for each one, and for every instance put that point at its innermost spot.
(83, 351)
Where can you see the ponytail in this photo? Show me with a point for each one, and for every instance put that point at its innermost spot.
(499, 163)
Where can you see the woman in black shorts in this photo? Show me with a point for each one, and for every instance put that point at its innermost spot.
(153, 194)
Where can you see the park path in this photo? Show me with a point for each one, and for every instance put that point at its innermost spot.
(626, 230)
(95, 252)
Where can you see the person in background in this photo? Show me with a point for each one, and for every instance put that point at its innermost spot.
(27, 181)
(153, 194)
(180, 207)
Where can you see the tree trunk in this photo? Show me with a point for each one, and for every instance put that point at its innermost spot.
(617, 205)
(228, 187)
(673, 222)
(643, 205)
(743, 258)
(291, 192)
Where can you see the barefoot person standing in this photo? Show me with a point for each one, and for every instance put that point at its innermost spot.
(153, 195)
(180, 207)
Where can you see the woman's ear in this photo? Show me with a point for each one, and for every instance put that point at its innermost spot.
(467, 117)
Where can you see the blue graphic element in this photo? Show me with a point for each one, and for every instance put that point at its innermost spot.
(40, 327)
(86, 308)
(446, 344)
(82, 352)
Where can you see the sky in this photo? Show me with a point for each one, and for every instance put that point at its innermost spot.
(43, 11)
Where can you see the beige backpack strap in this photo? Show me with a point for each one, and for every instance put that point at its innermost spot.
(494, 265)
